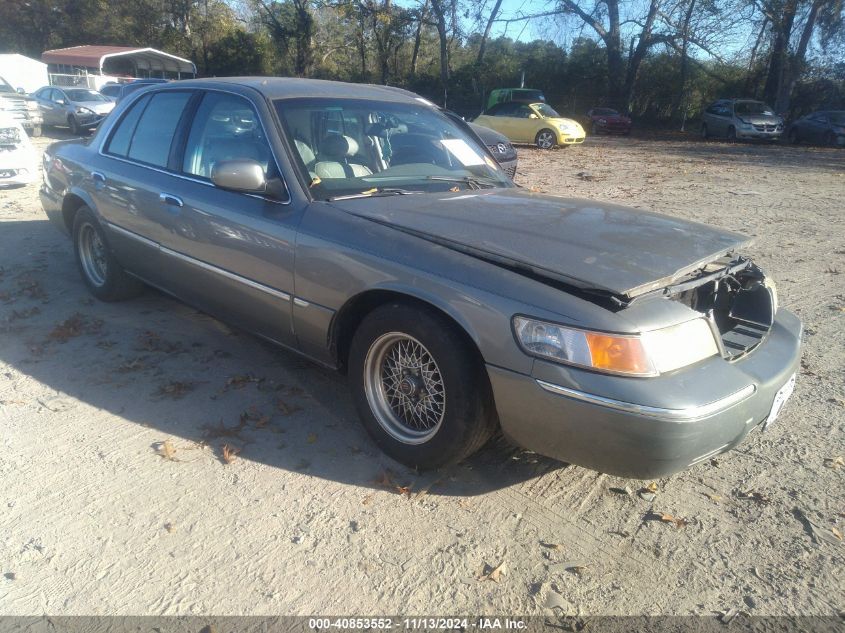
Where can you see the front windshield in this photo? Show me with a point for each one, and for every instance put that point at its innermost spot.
(605, 112)
(79, 95)
(545, 110)
(352, 147)
(752, 107)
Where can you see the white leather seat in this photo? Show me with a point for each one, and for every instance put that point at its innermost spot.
(335, 152)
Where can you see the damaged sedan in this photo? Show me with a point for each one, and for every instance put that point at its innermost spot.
(374, 233)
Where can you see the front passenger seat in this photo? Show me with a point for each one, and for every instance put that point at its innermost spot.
(335, 151)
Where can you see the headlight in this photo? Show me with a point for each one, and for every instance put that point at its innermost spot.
(81, 110)
(646, 354)
(602, 121)
(9, 136)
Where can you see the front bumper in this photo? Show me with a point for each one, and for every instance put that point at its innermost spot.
(771, 135)
(564, 138)
(646, 427)
(90, 120)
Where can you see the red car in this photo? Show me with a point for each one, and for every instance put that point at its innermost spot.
(608, 121)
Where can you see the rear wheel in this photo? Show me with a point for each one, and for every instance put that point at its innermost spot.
(420, 391)
(101, 272)
(545, 139)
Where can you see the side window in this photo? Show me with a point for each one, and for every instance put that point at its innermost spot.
(494, 111)
(119, 142)
(226, 127)
(58, 96)
(155, 129)
(523, 112)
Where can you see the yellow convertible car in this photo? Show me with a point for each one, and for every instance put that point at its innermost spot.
(536, 123)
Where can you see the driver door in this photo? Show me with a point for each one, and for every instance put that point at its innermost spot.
(229, 253)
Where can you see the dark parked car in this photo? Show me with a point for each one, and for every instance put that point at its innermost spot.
(499, 146)
(117, 92)
(826, 127)
(608, 121)
(371, 232)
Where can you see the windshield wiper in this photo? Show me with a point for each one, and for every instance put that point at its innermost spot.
(471, 182)
(381, 191)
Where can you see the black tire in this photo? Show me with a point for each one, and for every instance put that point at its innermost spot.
(75, 128)
(107, 281)
(731, 136)
(465, 421)
(793, 137)
(704, 133)
(542, 140)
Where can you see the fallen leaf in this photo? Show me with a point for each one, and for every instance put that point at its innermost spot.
(169, 527)
(240, 381)
(665, 517)
(176, 389)
(312, 438)
(385, 480)
(405, 490)
(752, 495)
(286, 409)
(229, 453)
(621, 491)
(494, 573)
(836, 533)
(712, 497)
(834, 462)
(652, 487)
(557, 547)
(167, 451)
(367, 500)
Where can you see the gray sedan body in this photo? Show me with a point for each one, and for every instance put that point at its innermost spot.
(77, 108)
(741, 119)
(496, 268)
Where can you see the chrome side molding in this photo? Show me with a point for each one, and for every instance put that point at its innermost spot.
(660, 413)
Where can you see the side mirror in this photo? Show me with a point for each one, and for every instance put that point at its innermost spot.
(21, 91)
(533, 116)
(244, 175)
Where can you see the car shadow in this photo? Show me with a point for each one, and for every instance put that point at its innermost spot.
(196, 382)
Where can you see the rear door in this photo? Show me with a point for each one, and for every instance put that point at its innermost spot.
(129, 173)
(229, 253)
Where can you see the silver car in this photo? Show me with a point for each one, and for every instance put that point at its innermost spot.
(80, 109)
(741, 119)
(372, 232)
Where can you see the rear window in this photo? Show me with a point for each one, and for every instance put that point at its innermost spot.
(146, 132)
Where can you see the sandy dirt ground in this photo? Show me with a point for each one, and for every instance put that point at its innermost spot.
(116, 496)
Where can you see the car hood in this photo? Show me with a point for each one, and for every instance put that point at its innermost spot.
(562, 120)
(761, 119)
(590, 245)
(100, 107)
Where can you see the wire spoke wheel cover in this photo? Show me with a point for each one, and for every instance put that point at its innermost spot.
(404, 388)
(92, 254)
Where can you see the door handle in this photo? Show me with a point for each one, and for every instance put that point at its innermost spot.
(170, 200)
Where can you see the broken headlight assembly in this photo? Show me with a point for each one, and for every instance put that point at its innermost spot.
(646, 354)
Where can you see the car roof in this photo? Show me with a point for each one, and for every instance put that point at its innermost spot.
(295, 87)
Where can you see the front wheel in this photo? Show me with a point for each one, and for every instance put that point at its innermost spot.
(101, 272)
(545, 139)
(420, 390)
(75, 128)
